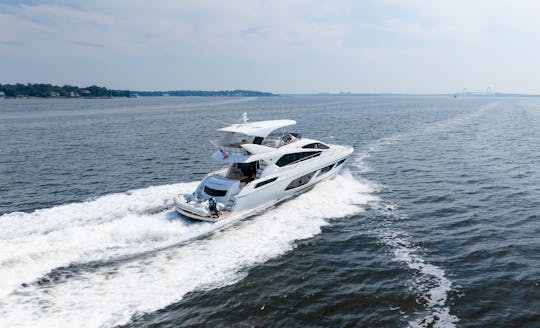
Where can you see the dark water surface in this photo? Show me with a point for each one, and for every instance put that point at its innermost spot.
(434, 223)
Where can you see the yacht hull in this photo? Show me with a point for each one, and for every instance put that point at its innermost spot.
(254, 199)
(278, 190)
(194, 216)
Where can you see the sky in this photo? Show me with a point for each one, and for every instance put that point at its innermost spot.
(304, 46)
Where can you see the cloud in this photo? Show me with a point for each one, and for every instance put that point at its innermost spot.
(191, 28)
(288, 46)
(468, 22)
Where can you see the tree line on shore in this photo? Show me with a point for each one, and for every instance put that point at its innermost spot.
(49, 90)
(19, 90)
(203, 93)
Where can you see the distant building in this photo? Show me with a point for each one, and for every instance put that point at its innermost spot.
(54, 94)
(2, 94)
(85, 92)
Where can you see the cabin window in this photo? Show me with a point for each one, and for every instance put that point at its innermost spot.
(296, 157)
(327, 168)
(214, 192)
(258, 140)
(316, 145)
(265, 182)
(340, 162)
(300, 181)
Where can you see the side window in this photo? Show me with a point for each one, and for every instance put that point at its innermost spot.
(260, 184)
(316, 145)
(300, 181)
(285, 160)
(296, 157)
(341, 162)
(327, 168)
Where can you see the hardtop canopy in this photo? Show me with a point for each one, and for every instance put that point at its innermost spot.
(258, 129)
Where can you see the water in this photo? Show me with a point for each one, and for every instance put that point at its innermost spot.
(434, 222)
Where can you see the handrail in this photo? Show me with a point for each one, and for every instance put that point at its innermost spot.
(229, 148)
(234, 150)
(219, 172)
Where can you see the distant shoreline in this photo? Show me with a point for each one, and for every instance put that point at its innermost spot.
(455, 95)
(49, 91)
(29, 90)
(202, 93)
(501, 95)
(59, 97)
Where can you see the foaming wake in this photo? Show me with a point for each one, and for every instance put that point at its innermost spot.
(113, 294)
(32, 244)
(430, 282)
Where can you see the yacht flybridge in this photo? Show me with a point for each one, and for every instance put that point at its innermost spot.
(264, 166)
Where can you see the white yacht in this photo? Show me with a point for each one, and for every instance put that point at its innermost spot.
(265, 164)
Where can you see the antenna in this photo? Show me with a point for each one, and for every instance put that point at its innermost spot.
(245, 118)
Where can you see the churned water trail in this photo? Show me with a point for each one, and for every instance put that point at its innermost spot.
(111, 295)
(33, 244)
(430, 281)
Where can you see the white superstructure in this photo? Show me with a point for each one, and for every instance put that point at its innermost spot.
(265, 165)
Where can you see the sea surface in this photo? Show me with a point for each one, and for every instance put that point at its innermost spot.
(434, 222)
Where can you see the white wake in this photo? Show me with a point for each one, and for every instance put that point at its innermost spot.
(430, 281)
(116, 224)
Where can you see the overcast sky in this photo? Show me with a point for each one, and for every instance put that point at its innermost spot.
(416, 46)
